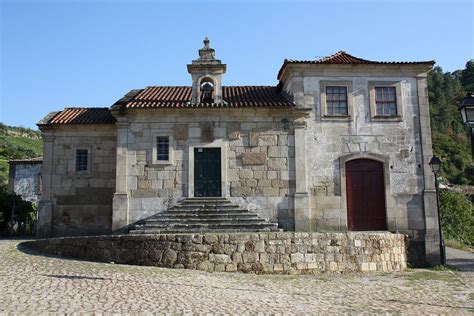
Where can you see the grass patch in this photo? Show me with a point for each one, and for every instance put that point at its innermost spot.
(427, 275)
(457, 245)
(443, 268)
(36, 145)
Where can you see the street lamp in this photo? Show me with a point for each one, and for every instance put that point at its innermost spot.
(435, 164)
(467, 113)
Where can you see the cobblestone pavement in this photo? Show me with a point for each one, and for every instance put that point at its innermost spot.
(37, 284)
(461, 260)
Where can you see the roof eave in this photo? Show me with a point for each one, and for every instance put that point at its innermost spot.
(45, 120)
(423, 65)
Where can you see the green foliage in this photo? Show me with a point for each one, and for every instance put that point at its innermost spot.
(17, 217)
(450, 137)
(455, 152)
(457, 217)
(19, 131)
(467, 76)
(17, 143)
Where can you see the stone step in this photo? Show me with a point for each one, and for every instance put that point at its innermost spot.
(205, 206)
(216, 225)
(166, 221)
(206, 227)
(202, 230)
(208, 211)
(206, 199)
(203, 214)
(199, 216)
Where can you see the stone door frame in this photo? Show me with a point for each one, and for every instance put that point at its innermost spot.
(218, 143)
(389, 203)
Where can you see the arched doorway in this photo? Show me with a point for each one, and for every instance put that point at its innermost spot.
(365, 195)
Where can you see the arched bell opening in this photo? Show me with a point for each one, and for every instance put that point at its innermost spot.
(207, 90)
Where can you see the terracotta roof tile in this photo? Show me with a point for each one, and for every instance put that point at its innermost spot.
(79, 116)
(234, 96)
(343, 58)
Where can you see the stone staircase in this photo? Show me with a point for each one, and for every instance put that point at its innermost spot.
(203, 215)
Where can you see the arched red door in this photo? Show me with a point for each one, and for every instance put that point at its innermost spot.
(365, 195)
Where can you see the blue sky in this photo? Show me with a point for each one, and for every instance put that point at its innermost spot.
(62, 53)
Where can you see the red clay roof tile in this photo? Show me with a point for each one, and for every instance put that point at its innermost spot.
(80, 116)
(234, 96)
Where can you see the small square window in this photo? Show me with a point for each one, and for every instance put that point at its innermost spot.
(336, 100)
(82, 159)
(162, 148)
(386, 101)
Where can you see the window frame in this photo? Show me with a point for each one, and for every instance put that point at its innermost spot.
(373, 104)
(89, 160)
(325, 116)
(154, 154)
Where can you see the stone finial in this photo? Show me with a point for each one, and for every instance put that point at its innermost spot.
(206, 53)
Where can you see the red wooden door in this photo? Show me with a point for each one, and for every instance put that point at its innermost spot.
(365, 195)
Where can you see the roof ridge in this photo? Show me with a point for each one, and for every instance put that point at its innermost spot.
(167, 87)
(151, 87)
(84, 108)
(343, 53)
(251, 86)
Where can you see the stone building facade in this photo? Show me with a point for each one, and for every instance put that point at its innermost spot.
(341, 143)
(24, 178)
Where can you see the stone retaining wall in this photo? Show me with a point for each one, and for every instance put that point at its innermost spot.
(285, 252)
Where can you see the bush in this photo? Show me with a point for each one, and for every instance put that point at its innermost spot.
(457, 217)
(17, 217)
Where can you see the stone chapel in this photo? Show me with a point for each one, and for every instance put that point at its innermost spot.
(339, 144)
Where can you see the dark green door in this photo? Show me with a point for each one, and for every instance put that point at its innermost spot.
(207, 172)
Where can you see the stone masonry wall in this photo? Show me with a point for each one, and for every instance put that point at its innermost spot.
(397, 143)
(83, 201)
(279, 253)
(258, 165)
(24, 179)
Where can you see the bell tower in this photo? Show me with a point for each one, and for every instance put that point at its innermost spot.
(206, 73)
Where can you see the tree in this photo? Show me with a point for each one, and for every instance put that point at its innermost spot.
(467, 76)
(450, 137)
(15, 212)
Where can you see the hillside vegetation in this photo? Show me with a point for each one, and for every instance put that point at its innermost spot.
(17, 143)
(450, 137)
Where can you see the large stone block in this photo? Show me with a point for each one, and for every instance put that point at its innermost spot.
(254, 158)
(278, 151)
(240, 191)
(245, 174)
(277, 164)
(206, 132)
(181, 131)
(267, 140)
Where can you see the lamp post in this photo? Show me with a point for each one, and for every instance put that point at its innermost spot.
(467, 113)
(435, 164)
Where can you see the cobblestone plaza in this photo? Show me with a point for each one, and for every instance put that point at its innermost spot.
(34, 284)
